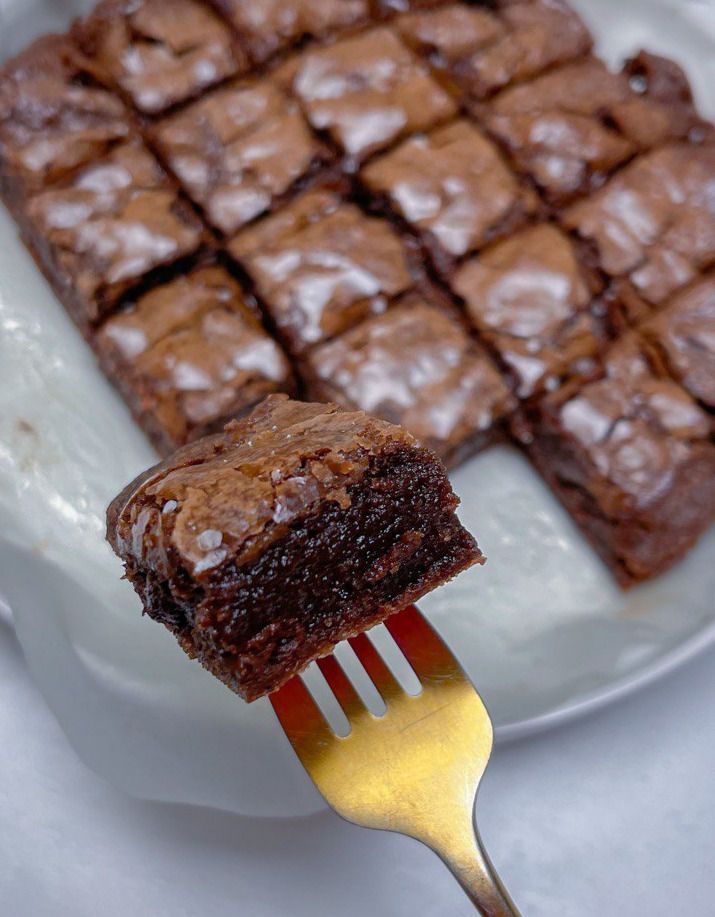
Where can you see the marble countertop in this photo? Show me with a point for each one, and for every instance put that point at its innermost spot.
(611, 815)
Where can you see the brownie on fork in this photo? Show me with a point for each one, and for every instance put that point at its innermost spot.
(263, 546)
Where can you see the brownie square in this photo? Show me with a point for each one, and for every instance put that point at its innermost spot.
(266, 27)
(189, 355)
(367, 91)
(570, 128)
(238, 151)
(485, 51)
(159, 52)
(453, 189)
(320, 265)
(263, 546)
(416, 366)
(106, 227)
(683, 332)
(651, 228)
(54, 117)
(628, 454)
(532, 302)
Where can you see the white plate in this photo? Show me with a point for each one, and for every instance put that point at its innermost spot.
(542, 629)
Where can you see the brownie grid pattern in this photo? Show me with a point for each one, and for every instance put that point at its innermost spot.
(450, 215)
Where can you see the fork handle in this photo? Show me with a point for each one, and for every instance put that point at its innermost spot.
(467, 860)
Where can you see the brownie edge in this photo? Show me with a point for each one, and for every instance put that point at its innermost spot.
(263, 546)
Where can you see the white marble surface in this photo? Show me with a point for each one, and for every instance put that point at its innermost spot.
(611, 815)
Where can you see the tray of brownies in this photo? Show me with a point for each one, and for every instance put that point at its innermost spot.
(490, 223)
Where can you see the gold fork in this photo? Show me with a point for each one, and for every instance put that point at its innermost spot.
(414, 770)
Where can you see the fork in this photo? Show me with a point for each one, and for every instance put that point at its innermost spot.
(416, 769)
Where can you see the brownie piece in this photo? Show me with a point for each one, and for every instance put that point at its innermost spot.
(651, 228)
(452, 188)
(189, 355)
(416, 366)
(238, 151)
(263, 546)
(54, 117)
(158, 52)
(367, 91)
(570, 128)
(628, 454)
(266, 27)
(485, 51)
(320, 265)
(533, 303)
(683, 332)
(106, 227)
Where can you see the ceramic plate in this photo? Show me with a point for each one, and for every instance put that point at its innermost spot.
(542, 629)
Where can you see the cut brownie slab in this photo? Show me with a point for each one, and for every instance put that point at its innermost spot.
(652, 227)
(533, 303)
(320, 265)
(629, 455)
(452, 188)
(190, 355)
(103, 229)
(367, 91)
(485, 51)
(266, 27)
(158, 52)
(416, 366)
(54, 117)
(683, 332)
(570, 128)
(262, 547)
(238, 150)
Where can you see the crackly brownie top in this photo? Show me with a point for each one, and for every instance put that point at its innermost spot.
(654, 222)
(159, 52)
(115, 220)
(530, 298)
(636, 427)
(195, 351)
(367, 91)
(53, 115)
(222, 500)
(449, 33)
(452, 183)
(684, 330)
(267, 26)
(236, 149)
(416, 366)
(536, 35)
(320, 265)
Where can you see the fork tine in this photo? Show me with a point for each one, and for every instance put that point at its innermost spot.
(375, 666)
(342, 687)
(423, 648)
(300, 716)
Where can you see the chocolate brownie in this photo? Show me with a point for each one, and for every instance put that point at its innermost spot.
(628, 453)
(106, 227)
(54, 117)
(367, 91)
(533, 303)
(485, 52)
(158, 52)
(651, 228)
(416, 366)
(570, 128)
(263, 546)
(239, 150)
(190, 354)
(452, 188)
(266, 27)
(683, 332)
(320, 265)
